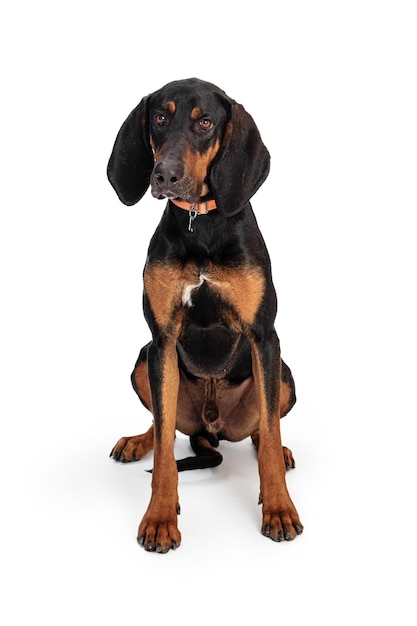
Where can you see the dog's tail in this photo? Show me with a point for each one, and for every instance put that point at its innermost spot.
(204, 445)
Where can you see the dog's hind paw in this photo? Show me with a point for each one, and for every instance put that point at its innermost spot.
(288, 458)
(129, 449)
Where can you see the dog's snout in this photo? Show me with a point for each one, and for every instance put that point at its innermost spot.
(169, 179)
(168, 173)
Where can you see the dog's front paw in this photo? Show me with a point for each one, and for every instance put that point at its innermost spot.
(159, 535)
(281, 522)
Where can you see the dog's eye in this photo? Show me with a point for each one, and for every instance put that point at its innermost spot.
(205, 123)
(160, 119)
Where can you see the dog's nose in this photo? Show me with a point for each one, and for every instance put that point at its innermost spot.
(168, 173)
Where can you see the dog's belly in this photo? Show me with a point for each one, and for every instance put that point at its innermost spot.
(238, 414)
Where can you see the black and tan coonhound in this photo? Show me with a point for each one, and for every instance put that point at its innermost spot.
(213, 369)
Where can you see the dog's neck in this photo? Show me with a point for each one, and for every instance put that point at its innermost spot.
(201, 208)
(194, 209)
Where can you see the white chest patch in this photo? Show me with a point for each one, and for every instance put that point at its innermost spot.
(188, 289)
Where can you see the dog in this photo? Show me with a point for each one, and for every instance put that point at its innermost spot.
(213, 369)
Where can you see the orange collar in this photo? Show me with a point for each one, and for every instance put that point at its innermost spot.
(201, 208)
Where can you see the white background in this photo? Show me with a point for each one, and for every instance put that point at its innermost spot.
(332, 87)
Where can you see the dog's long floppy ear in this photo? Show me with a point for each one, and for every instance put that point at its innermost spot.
(131, 161)
(242, 164)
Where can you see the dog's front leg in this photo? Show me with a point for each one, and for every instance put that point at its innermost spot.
(279, 516)
(158, 530)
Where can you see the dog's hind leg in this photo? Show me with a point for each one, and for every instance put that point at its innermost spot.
(288, 457)
(140, 380)
(134, 448)
(287, 401)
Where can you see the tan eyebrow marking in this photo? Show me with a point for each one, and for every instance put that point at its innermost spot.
(195, 113)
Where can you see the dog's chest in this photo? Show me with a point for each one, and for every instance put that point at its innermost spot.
(170, 288)
(190, 288)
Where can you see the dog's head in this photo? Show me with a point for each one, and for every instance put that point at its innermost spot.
(191, 142)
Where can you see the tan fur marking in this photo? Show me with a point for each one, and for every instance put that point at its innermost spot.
(164, 285)
(284, 398)
(162, 289)
(142, 384)
(170, 106)
(242, 287)
(195, 113)
(156, 154)
(259, 379)
(196, 165)
(170, 386)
